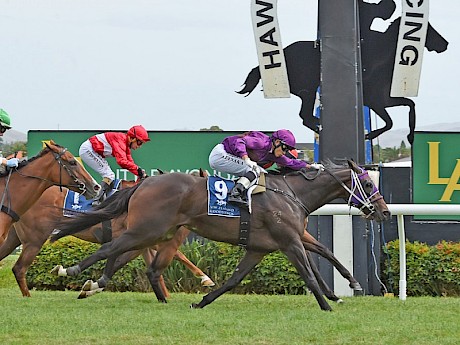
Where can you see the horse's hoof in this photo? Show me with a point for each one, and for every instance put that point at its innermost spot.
(356, 286)
(207, 283)
(90, 286)
(83, 294)
(59, 271)
(339, 301)
(194, 306)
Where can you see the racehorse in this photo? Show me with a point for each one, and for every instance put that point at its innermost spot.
(277, 219)
(36, 225)
(21, 187)
(377, 55)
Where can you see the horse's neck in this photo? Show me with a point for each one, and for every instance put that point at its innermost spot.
(324, 189)
(27, 185)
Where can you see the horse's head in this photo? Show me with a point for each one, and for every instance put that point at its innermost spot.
(76, 177)
(365, 195)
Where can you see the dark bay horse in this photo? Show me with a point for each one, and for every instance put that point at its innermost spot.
(377, 55)
(159, 206)
(21, 187)
(36, 225)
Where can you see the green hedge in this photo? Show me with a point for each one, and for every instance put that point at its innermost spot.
(274, 275)
(431, 270)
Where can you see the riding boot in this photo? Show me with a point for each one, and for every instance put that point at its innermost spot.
(238, 195)
(105, 188)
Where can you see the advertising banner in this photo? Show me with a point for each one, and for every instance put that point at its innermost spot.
(436, 170)
(169, 151)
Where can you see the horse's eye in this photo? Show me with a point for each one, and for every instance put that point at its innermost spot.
(73, 162)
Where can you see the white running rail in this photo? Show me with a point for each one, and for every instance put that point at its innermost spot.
(399, 210)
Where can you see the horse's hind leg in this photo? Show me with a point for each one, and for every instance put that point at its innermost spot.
(249, 261)
(90, 287)
(101, 254)
(149, 255)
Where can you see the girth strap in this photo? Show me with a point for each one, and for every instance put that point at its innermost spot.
(104, 234)
(10, 212)
(245, 225)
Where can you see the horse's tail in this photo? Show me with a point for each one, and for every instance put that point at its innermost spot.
(251, 82)
(112, 207)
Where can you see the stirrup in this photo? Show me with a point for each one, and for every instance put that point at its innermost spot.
(237, 200)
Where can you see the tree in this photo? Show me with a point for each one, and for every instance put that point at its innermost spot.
(212, 128)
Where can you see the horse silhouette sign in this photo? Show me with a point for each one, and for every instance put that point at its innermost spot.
(378, 51)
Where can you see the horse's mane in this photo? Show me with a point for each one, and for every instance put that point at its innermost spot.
(327, 164)
(24, 162)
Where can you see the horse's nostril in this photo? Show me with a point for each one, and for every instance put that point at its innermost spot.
(387, 214)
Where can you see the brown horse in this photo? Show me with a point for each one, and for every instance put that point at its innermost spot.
(277, 220)
(36, 225)
(21, 187)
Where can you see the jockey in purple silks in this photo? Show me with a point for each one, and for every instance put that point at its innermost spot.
(239, 155)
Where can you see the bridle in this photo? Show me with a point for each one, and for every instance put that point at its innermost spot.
(358, 196)
(62, 165)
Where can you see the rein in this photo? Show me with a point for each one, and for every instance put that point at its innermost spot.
(355, 199)
(362, 198)
(57, 156)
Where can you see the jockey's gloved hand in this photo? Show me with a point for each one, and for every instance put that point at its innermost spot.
(141, 172)
(12, 163)
(316, 166)
(251, 163)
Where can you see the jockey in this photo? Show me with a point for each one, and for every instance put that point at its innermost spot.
(113, 144)
(239, 155)
(5, 124)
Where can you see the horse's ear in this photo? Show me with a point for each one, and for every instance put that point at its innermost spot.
(203, 173)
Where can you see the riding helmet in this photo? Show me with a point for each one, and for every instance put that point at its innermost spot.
(5, 119)
(139, 133)
(286, 137)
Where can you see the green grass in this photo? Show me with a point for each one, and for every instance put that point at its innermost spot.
(53, 317)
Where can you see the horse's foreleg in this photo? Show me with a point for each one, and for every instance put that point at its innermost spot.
(297, 256)
(306, 111)
(311, 244)
(205, 280)
(322, 284)
(11, 243)
(28, 254)
(249, 261)
(383, 114)
(24, 261)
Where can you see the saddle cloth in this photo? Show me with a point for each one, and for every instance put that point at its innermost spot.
(218, 191)
(75, 202)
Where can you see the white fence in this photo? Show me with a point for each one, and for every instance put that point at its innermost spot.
(399, 210)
